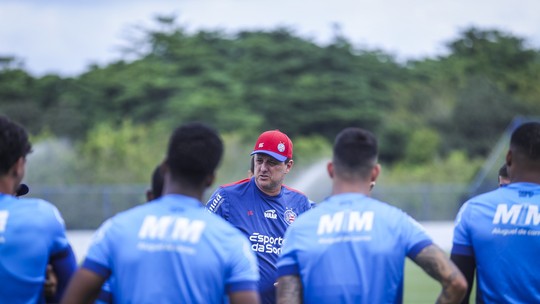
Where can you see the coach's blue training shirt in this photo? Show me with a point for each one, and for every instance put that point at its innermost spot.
(501, 229)
(263, 219)
(31, 231)
(172, 250)
(351, 249)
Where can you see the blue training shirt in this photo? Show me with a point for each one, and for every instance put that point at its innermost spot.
(501, 229)
(32, 232)
(351, 249)
(261, 218)
(170, 250)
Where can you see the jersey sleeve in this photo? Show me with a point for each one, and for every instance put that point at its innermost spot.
(416, 237)
(288, 262)
(461, 243)
(244, 271)
(218, 203)
(98, 258)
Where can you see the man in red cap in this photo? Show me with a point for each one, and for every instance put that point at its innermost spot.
(262, 207)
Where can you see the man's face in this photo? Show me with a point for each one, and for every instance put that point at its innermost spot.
(270, 173)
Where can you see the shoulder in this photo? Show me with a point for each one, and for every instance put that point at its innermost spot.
(232, 189)
(240, 183)
(293, 191)
(225, 193)
(41, 208)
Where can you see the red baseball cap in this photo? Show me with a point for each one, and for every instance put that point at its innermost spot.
(274, 143)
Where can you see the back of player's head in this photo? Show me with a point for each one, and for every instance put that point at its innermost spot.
(194, 152)
(525, 142)
(157, 182)
(14, 144)
(355, 153)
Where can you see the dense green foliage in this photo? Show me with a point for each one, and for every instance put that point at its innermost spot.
(447, 111)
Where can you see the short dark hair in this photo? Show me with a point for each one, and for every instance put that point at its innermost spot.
(194, 152)
(14, 144)
(157, 182)
(355, 153)
(252, 164)
(525, 140)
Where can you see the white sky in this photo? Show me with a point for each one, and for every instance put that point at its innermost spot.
(65, 36)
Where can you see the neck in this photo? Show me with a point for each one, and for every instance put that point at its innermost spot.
(526, 177)
(7, 186)
(271, 192)
(183, 190)
(341, 186)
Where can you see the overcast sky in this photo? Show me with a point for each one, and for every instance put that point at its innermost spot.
(65, 36)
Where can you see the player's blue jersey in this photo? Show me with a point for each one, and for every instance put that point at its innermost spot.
(263, 219)
(172, 250)
(501, 229)
(31, 232)
(351, 249)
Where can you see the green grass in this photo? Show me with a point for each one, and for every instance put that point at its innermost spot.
(419, 287)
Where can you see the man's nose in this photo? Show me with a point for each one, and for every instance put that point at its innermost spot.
(264, 166)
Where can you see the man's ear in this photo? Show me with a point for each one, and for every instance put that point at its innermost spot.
(210, 180)
(509, 158)
(289, 166)
(17, 170)
(149, 195)
(330, 169)
(375, 172)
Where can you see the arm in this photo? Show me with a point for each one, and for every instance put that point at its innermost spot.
(289, 290)
(244, 297)
(63, 267)
(467, 266)
(51, 282)
(435, 262)
(83, 288)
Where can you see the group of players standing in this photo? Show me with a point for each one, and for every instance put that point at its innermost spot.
(267, 243)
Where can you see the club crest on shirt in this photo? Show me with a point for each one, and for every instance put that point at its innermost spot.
(289, 216)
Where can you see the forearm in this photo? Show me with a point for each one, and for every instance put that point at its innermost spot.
(64, 266)
(435, 262)
(467, 265)
(289, 290)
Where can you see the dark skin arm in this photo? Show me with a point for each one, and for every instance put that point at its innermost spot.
(51, 282)
(467, 266)
(289, 290)
(435, 263)
(83, 288)
(244, 297)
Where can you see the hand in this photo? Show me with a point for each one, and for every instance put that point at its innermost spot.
(51, 282)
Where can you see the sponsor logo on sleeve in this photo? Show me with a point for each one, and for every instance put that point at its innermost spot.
(215, 203)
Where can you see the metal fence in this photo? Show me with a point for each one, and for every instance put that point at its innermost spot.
(87, 206)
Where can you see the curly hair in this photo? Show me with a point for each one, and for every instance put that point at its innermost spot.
(194, 152)
(14, 144)
(526, 140)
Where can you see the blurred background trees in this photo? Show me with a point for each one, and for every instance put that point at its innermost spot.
(431, 115)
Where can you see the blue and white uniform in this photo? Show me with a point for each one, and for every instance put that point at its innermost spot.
(261, 218)
(32, 235)
(351, 249)
(501, 230)
(171, 250)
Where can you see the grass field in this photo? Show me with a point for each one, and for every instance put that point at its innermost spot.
(419, 287)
